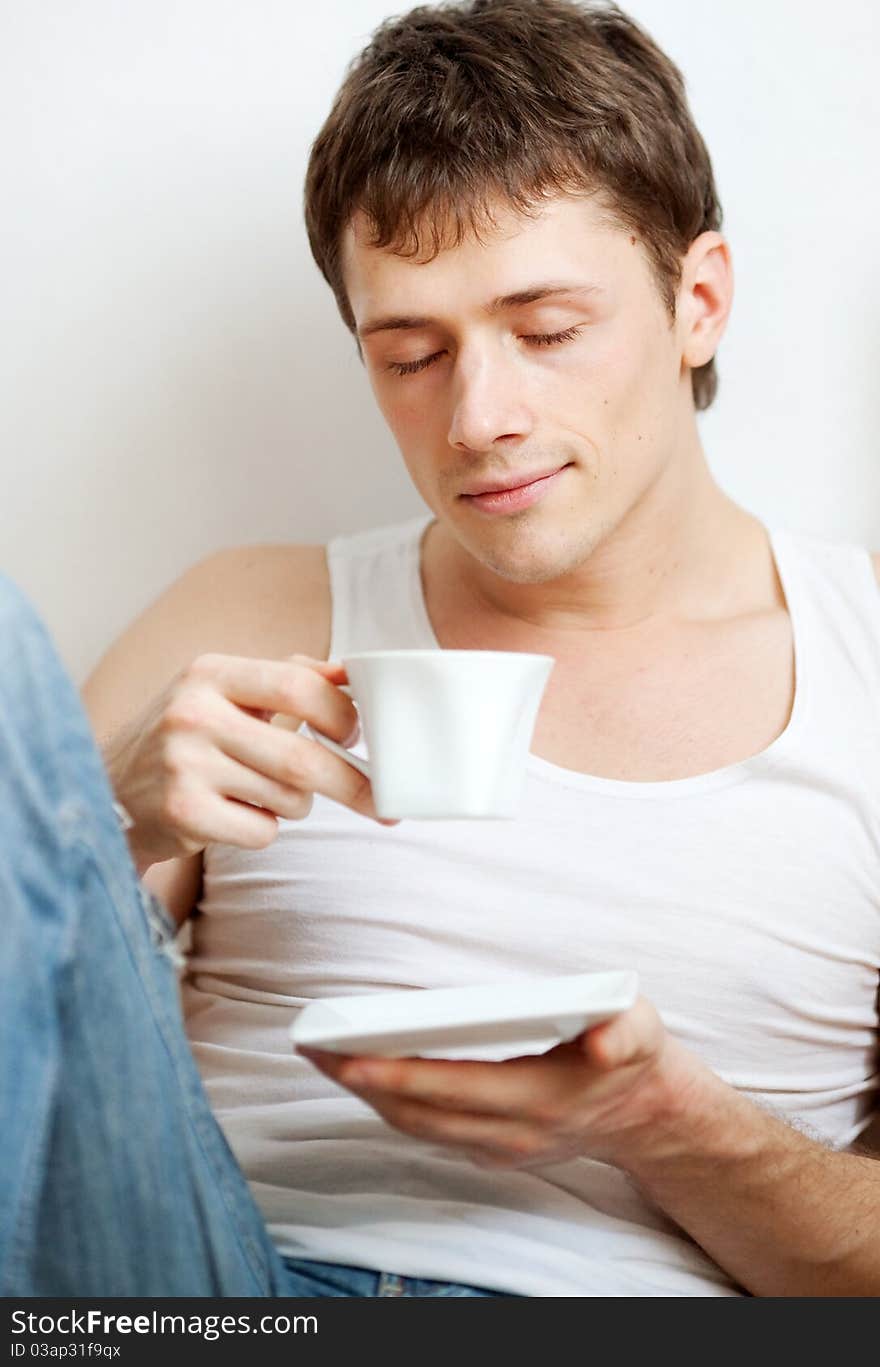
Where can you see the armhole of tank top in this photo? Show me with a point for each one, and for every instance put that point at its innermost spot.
(338, 562)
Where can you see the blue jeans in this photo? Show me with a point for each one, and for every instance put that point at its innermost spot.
(115, 1178)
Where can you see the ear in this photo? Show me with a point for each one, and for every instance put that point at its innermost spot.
(705, 296)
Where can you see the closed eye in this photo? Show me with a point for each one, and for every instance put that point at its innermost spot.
(537, 339)
(551, 338)
(412, 367)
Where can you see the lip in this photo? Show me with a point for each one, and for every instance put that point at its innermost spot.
(513, 496)
(518, 481)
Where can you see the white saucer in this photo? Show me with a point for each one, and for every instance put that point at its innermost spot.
(500, 1020)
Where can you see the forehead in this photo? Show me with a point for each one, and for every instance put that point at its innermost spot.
(567, 237)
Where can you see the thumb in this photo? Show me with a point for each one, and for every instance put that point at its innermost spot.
(635, 1036)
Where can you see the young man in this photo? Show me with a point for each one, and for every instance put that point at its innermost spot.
(519, 221)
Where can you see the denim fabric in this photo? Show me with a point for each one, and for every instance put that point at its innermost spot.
(115, 1178)
(305, 1278)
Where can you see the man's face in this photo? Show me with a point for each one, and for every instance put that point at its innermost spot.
(541, 350)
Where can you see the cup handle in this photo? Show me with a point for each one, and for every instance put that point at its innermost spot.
(354, 760)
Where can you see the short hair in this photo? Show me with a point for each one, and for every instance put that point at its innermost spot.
(454, 107)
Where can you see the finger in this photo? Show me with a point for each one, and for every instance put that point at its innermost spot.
(507, 1088)
(491, 1135)
(298, 686)
(296, 762)
(291, 721)
(500, 1140)
(271, 749)
(203, 816)
(285, 721)
(291, 761)
(233, 780)
(633, 1037)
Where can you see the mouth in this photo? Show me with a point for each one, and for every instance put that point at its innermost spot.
(514, 481)
(520, 490)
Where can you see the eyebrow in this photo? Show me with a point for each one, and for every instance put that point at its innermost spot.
(531, 295)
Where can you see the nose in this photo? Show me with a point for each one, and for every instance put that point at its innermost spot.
(489, 405)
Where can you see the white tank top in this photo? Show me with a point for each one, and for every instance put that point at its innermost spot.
(748, 900)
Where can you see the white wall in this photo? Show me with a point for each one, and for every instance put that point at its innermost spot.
(175, 377)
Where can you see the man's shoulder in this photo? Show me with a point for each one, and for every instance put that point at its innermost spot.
(260, 602)
(273, 598)
(265, 560)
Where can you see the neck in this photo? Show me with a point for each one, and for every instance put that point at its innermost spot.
(682, 552)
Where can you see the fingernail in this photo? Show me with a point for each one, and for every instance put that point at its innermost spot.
(354, 737)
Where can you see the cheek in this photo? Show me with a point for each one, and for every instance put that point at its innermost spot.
(411, 416)
(593, 395)
(628, 380)
(615, 403)
(413, 425)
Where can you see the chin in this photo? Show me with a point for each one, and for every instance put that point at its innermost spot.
(531, 555)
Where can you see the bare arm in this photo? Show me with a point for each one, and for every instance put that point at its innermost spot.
(782, 1214)
(260, 602)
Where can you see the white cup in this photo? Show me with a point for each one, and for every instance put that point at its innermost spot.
(447, 731)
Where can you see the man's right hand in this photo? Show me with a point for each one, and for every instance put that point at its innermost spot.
(205, 763)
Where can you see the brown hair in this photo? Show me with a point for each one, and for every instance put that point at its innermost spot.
(453, 106)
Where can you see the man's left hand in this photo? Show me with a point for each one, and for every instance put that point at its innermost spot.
(604, 1095)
